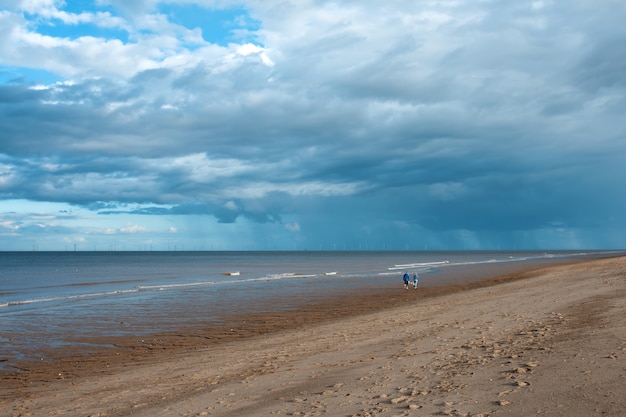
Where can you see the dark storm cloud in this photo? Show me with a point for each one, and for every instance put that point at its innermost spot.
(227, 213)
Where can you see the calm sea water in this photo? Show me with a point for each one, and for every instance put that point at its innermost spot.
(53, 299)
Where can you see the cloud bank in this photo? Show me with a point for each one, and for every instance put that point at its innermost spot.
(308, 124)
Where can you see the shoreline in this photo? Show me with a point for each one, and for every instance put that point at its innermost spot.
(133, 357)
(123, 351)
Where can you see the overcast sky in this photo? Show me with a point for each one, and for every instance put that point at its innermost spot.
(267, 124)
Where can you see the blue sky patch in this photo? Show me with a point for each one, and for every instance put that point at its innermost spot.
(27, 76)
(58, 29)
(218, 26)
(55, 27)
(79, 6)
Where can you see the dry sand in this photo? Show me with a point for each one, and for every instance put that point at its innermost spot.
(546, 342)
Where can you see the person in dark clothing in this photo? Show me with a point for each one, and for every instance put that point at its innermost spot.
(406, 280)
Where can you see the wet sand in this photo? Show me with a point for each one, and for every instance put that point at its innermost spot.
(548, 341)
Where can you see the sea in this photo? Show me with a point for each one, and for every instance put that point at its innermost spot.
(57, 299)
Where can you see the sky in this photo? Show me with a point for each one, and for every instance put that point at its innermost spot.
(312, 125)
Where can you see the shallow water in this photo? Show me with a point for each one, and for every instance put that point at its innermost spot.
(52, 299)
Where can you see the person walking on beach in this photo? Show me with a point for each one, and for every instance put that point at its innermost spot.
(415, 280)
(406, 280)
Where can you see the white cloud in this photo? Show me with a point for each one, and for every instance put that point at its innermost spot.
(231, 205)
(8, 227)
(200, 169)
(133, 228)
(154, 43)
(292, 227)
(39, 6)
(251, 49)
(254, 189)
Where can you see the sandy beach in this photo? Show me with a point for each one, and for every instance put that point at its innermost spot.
(549, 341)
